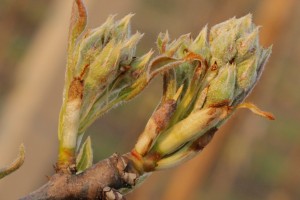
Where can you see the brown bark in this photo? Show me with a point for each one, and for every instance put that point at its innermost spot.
(115, 172)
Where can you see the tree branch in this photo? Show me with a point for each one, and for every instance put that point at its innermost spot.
(115, 172)
(196, 102)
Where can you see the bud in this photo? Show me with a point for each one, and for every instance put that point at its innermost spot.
(248, 44)
(122, 29)
(178, 48)
(211, 84)
(190, 128)
(162, 41)
(222, 87)
(205, 81)
(245, 25)
(246, 73)
(110, 67)
(223, 47)
(222, 28)
(200, 44)
(263, 58)
(129, 48)
(102, 72)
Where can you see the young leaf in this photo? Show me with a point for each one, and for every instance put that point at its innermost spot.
(85, 156)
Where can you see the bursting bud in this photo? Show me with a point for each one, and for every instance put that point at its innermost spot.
(104, 61)
(220, 68)
(102, 71)
(204, 81)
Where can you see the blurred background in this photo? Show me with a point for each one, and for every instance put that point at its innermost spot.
(249, 158)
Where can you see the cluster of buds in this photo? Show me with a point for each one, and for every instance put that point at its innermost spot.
(102, 72)
(219, 70)
(204, 81)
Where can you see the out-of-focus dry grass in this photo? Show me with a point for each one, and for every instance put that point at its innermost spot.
(250, 157)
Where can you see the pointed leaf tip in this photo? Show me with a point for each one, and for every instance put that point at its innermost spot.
(126, 20)
(78, 19)
(162, 41)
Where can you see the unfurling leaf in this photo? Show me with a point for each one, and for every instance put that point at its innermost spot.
(214, 74)
(84, 158)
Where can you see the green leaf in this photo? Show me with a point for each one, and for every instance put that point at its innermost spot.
(188, 129)
(200, 45)
(84, 158)
(162, 41)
